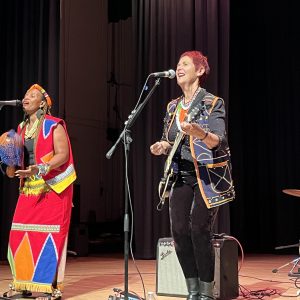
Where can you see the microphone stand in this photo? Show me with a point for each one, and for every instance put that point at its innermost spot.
(294, 262)
(287, 246)
(125, 136)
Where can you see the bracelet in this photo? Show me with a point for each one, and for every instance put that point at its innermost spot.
(206, 134)
(43, 169)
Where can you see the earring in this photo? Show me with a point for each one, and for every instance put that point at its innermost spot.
(40, 112)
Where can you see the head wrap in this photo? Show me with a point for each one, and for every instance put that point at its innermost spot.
(44, 93)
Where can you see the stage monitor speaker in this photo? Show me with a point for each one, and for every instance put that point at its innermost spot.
(170, 280)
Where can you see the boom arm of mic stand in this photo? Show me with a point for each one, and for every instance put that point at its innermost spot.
(132, 117)
(288, 246)
(113, 148)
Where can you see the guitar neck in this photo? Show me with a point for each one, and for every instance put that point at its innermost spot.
(177, 141)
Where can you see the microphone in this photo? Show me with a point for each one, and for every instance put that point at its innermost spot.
(170, 74)
(10, 102)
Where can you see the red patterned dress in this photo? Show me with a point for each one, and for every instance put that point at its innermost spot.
(38, 236)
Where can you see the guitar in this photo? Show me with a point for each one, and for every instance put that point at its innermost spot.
(166, 183)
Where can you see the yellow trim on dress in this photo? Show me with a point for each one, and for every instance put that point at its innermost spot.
(61, 186)
(34, 185)
(33, 287)
(61, 181)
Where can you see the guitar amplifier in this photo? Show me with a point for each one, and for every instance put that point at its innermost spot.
(170, 280)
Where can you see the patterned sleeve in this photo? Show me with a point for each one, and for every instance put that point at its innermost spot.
(217, 122)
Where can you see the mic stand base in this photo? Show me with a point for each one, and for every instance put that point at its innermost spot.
(119, 295)
(294, 262)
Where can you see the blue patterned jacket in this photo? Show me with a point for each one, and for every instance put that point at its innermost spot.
(212, 166)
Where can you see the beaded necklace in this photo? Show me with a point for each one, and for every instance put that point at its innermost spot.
(29, 133)
(183, 108)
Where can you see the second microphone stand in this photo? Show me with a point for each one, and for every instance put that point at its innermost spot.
(125, 136)
(294, 262)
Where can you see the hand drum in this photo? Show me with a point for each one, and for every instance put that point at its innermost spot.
(10, 151)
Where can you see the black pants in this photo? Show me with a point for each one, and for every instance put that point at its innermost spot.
(191, 226)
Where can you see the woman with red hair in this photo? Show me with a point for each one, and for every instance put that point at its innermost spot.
(38, 237)
(199, 177)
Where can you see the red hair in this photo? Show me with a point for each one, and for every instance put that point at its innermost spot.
(199, 60)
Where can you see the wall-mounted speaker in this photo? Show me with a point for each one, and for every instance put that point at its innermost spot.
(170, 280)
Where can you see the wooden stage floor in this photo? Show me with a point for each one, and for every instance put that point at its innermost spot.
(94, 278)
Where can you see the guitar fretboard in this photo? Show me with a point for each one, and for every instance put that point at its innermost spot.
(177, 141)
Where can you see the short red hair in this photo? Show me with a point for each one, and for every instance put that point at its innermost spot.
(199, 60)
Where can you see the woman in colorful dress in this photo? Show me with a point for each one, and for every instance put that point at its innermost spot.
(202, 172)
(39, 231)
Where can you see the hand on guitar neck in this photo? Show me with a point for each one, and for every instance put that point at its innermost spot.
(159, 148)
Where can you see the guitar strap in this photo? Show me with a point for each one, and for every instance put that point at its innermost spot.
(198, 101)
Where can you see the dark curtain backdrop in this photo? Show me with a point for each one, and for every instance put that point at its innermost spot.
(164, 30)
(262, 103)
(29, 38)
(264, 123)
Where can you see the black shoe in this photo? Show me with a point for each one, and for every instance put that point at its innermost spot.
(192, 285)
(26, 294)
(206, 290)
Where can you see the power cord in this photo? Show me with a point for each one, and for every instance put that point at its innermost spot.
(229, 237)
(257, 294)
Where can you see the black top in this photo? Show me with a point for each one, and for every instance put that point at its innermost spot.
(28, 152)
